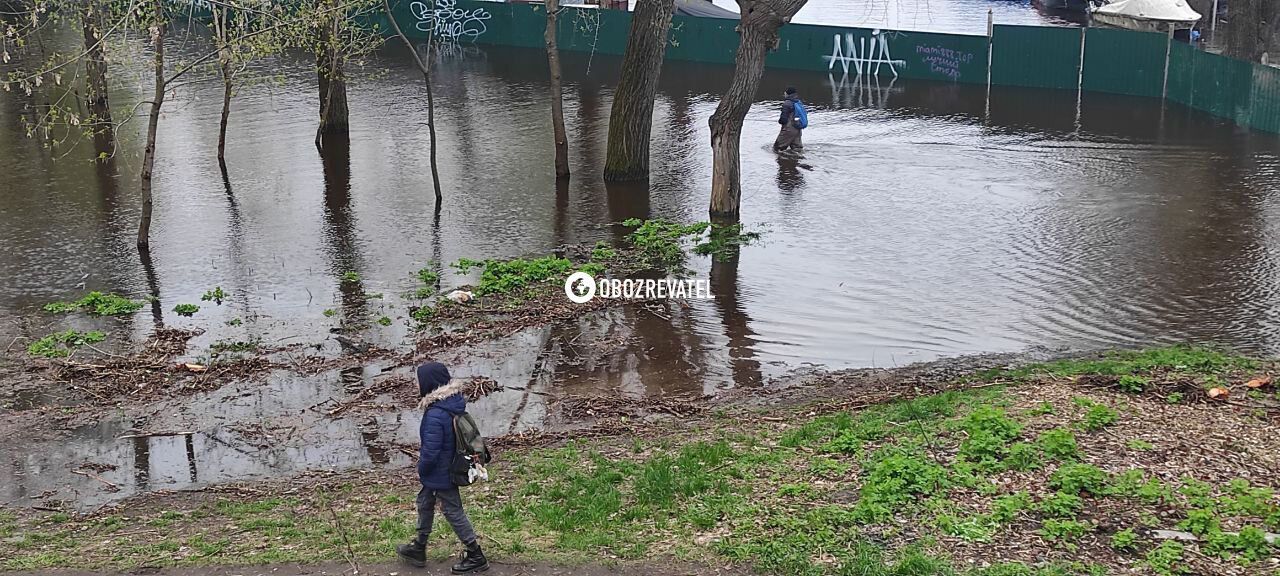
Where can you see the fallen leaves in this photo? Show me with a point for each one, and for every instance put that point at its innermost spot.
(1219, 392)
(1259, 382)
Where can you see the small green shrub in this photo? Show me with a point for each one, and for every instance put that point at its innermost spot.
(1076, 477)
(1055, 530)
(216, 295)
(1166, 559)
(1007, 507)
(1059, 444)
(234, 322)
(350, 277)
(1125, 540)
(1132, 383)
(329, 312)
(427, 276)
(603, 251)
(384, 321)
(1140, 445)
(97, 304)
(187, 310)
(1099, 416)
(990, 433)
(1174, 398)
(897, 475)
(1250, 544)
(1200, 521)
(1061, 505)
(661, 243)
(60, 344)
(1022, 457)
(724, 241)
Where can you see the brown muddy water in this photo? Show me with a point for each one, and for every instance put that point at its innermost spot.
(922, 221)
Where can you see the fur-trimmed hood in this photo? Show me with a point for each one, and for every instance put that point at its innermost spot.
(443, 393)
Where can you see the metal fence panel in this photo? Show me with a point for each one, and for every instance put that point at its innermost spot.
(1124, 61)
(1036, 56)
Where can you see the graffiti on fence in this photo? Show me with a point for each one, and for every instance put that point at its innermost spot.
(944, 61)
(862, 55)
(449, 21)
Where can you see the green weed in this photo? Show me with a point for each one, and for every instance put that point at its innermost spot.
(1075, 477)
(60, 344)
(384, 321)
(350, 277)
(603, 252)
(216, 295)
(329, 312)
(724, 241)
(1125, 540)
(1132, 383)
(1005, 508)
(187, 310)
(661, 243)
(1059, 444)
(98, 304)
(1061, 505)
(1140, 444)
(427, 276)
(1174, 398)
(1166, 559)
(1098, 416)
(1066, 531)
(990, 432)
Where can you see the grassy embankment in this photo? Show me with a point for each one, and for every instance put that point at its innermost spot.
(1059, 468)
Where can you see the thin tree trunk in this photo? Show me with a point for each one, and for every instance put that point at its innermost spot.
(224, 66)
(557, 94)
(96, 97)
(425, 68)
(631, 118)
(758, 34)
(332, 81)
(149, 154)
(226, 111)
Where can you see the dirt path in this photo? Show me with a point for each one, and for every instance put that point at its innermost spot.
(398, 569)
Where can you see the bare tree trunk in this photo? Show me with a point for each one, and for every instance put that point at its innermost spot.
(329, 70)
(224, 66)
(1253, 26)
(631, 118)
(425, 68)
(96, 97)
(758, 34)
(149, 154)
(557, 94)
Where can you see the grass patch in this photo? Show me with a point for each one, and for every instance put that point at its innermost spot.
(61, 344)
(98, 304)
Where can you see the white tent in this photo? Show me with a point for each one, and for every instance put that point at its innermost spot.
(1148, 15)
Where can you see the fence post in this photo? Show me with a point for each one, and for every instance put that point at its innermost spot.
(991, 30)
(1080, 77)
(1168, 53)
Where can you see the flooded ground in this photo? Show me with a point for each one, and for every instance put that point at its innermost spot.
(922, 221)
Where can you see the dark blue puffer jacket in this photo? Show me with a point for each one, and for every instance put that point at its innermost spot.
(440, 402)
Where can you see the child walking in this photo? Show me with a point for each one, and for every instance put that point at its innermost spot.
(440, 401)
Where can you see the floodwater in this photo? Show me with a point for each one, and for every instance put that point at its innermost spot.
(923, 220)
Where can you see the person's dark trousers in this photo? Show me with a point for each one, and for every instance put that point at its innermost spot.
(451, 504)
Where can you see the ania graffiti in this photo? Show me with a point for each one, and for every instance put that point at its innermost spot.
(862, 56)
(450, 22)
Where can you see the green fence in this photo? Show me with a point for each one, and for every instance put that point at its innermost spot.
(1094, 59)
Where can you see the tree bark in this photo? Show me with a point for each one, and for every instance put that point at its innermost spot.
(758, 34)
(1253, 26)
(225, 68)
(329, 70)
(425, 68)
(149, 154)
(631, 118)
(96, 97)
(557, 95)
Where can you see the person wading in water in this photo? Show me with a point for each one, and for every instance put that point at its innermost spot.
(794, 119)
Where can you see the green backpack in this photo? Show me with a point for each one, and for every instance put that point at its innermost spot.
(471, 452)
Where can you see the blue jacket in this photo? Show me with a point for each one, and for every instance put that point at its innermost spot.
(435, 454)
(437, 449)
